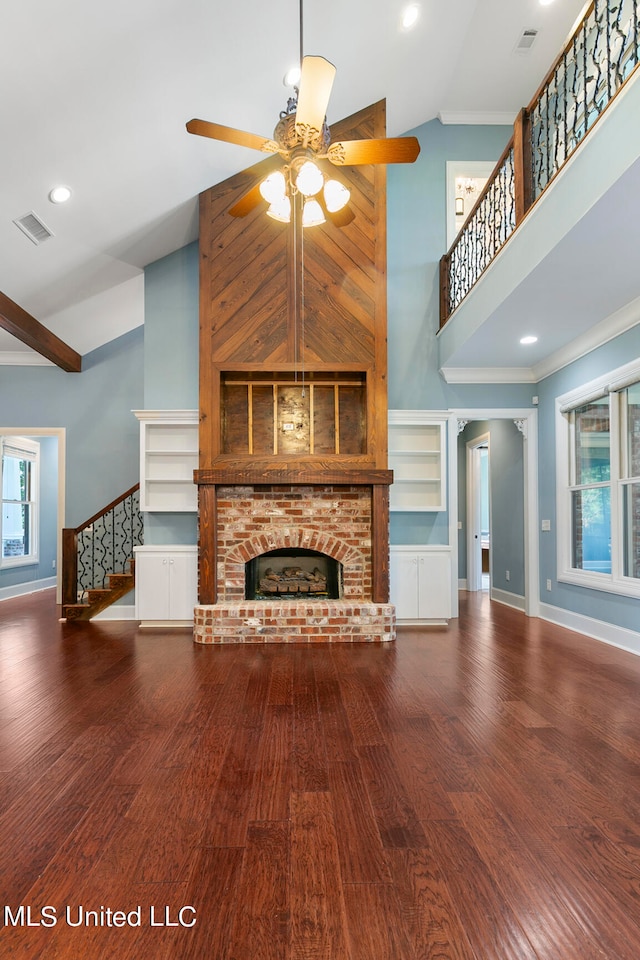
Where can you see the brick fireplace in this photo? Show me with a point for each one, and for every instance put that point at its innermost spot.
(293, 415)
(330, 520)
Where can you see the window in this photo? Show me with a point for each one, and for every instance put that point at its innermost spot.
(630, 481)
(19, 517)
(591, 487)
(599, 483)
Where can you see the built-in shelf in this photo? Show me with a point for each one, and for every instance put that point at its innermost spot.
(416, 456)
(168, 457)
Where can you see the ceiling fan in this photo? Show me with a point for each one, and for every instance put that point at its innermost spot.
(303, 141)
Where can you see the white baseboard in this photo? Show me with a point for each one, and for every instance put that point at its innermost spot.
(122, 611)
(21, 589)
(508, 599)
(462, 584)
(597, 629)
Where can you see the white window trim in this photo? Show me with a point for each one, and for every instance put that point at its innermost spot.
(31, 451)
(611, 383)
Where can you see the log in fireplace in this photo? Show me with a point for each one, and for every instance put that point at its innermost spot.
(299, 574)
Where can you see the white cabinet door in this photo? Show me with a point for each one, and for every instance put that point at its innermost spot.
(403, 578)
(434, 586)
(152, 586)
(183, 586)
(166, 583)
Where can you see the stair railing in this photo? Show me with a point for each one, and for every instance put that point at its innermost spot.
(598, 60)
(101, 545)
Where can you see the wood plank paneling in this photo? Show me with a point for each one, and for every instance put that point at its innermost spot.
(251, 305)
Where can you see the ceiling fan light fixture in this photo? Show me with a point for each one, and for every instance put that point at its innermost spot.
(280, 210)
(336, 196)
(309, 180)
(274, 188)
(312, 214)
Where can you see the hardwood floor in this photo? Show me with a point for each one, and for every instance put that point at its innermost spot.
(470, 793)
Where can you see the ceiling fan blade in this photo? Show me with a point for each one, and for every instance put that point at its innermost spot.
(215, 131)
(247, 203)
(392, 150)
(316, 81)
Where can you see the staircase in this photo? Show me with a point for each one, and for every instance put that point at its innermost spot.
(97, 558)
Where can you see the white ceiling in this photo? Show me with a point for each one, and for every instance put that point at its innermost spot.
(96, 96)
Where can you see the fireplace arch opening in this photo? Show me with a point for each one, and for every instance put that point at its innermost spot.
(293, 573)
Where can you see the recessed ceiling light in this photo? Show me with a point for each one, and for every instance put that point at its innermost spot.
(410, 16)
(545, 3)
(525, 341)
(292, 76)
(60, 194)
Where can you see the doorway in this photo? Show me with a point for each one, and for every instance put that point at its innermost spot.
(478, 514)
(525, 419)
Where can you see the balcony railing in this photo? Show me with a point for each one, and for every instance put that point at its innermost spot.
(593, 67)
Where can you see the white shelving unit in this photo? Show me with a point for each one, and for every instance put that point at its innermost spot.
(417, 443)
(420, 580)
(168, 457)
(166, 584)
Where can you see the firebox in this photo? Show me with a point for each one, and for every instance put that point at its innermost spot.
(291, 573)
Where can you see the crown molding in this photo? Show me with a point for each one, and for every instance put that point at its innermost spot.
(23, 358)
(486, 117)
(488, 374)
(608, 329)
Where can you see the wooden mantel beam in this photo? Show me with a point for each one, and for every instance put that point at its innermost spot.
(26, 328)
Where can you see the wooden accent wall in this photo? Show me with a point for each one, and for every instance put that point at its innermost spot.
(249, 312)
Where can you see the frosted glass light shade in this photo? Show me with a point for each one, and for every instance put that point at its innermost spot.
(274, 188)
(309, 180)
(312, 214)
(336, 195)
(280, 210)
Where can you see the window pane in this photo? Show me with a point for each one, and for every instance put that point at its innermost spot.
(15, 530)
(593, 442)
(632, 396)
(15, 478)
(591, 511)
(631, 501)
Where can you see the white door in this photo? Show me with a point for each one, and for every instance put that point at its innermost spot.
(478, 514)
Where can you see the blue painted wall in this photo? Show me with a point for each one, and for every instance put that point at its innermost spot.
(95, 408)
(417, 239)
(171, 293)
(622, 611)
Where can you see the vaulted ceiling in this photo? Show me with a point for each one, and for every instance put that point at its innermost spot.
(96, 96)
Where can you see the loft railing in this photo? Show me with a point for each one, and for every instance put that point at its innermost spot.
(591, 70)
(100, 546)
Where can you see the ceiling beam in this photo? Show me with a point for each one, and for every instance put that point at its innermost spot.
(26, 328)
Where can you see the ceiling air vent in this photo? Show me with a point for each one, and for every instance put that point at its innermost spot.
(526, 40)
(33, 228)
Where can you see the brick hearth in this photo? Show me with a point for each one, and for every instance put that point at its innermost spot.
(294, 621)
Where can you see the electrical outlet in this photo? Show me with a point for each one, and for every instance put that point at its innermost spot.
(507, 575)
(53, 564)
(549, 585)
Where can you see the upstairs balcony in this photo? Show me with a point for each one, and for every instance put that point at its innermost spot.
(550, 248)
